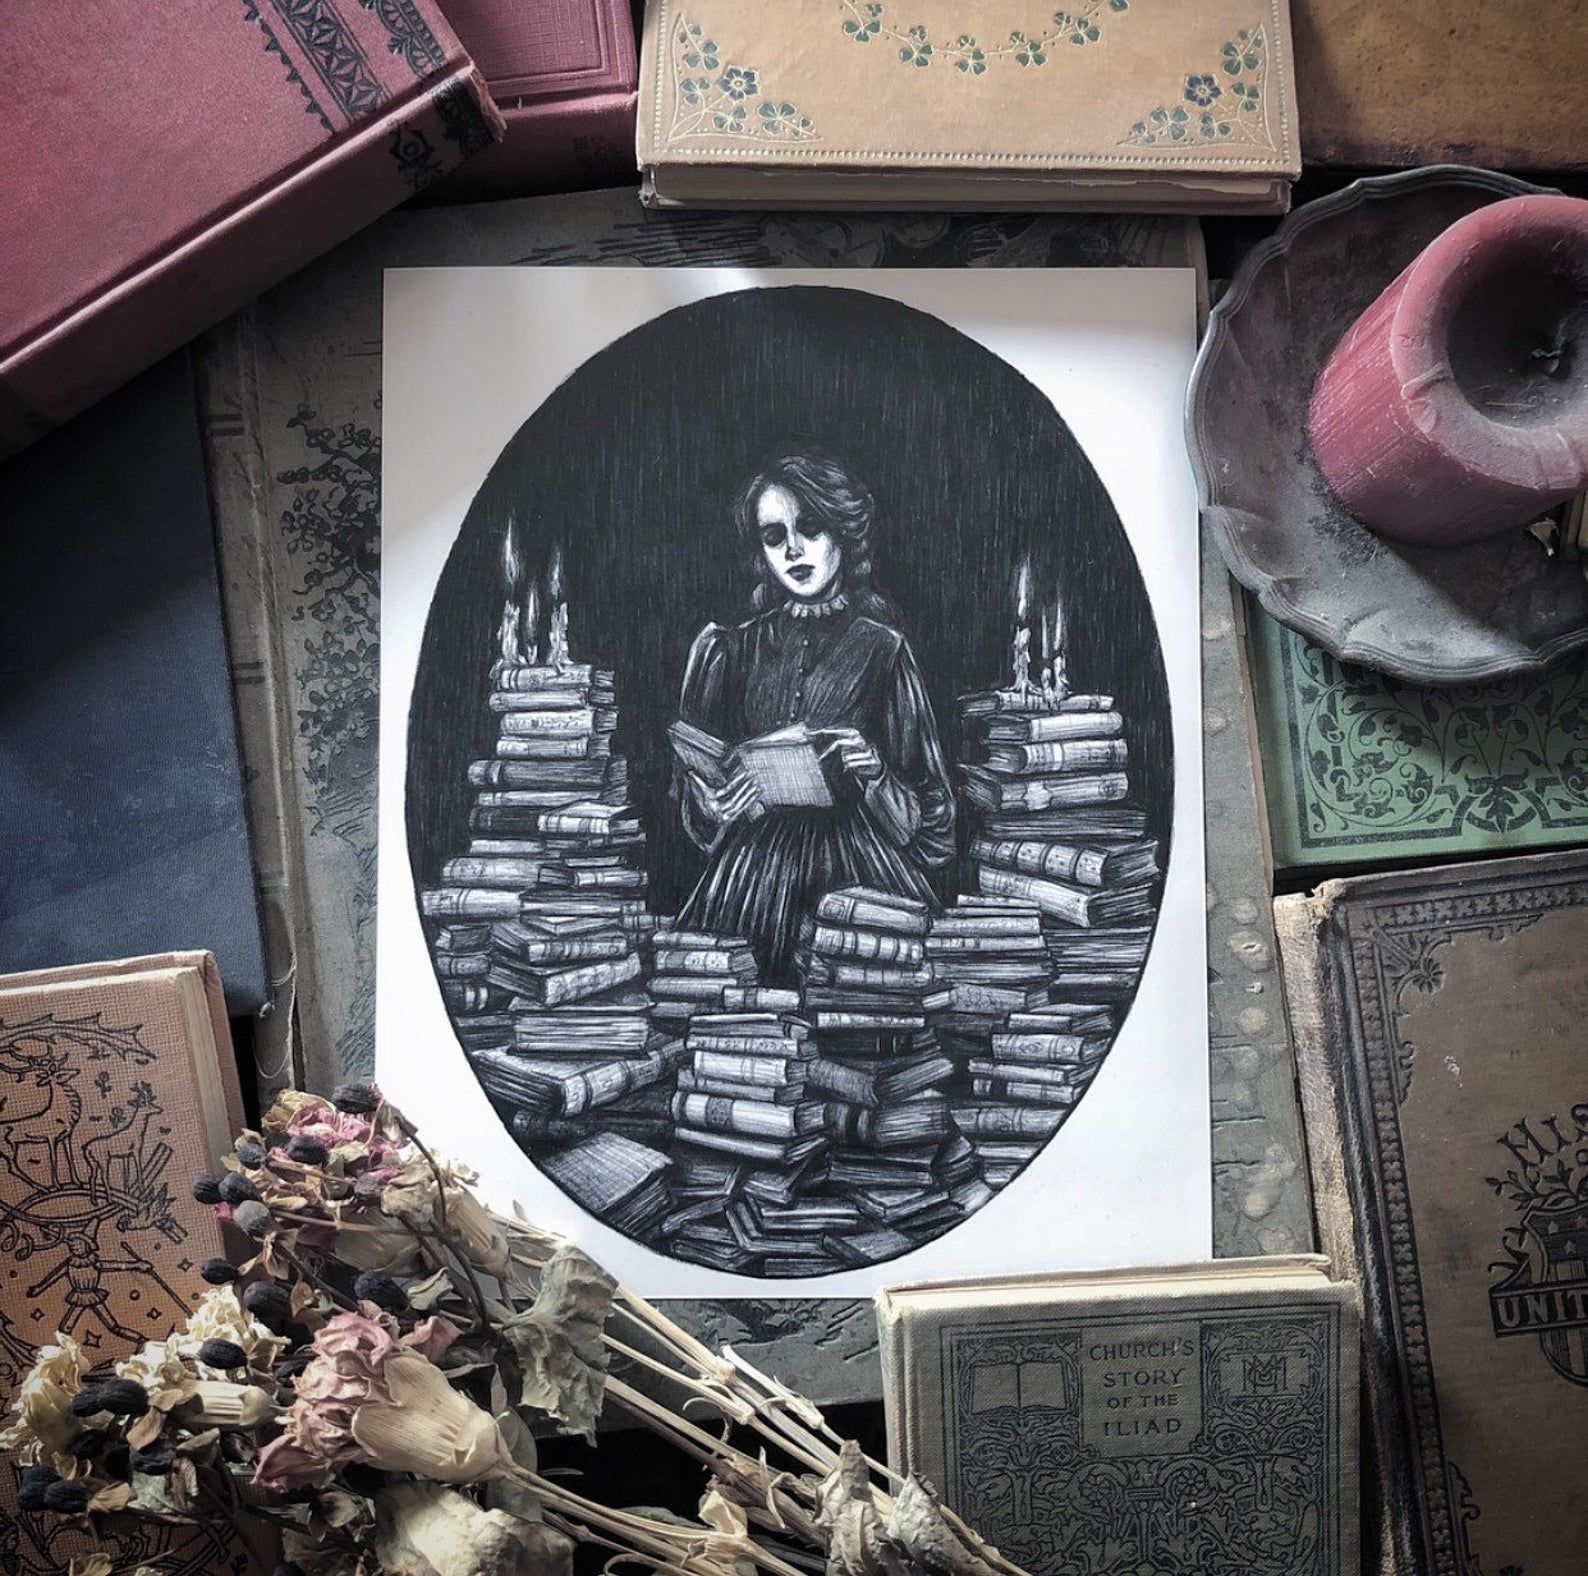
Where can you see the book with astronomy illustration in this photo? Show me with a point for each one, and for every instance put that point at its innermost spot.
(727, 921)
(1438, 1018)
(950, 103)
(1201, 1417)
(121, 1086)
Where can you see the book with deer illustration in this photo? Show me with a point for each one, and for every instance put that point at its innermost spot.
(1201, 1417)
(946, 103)
(120, 1087)
(1438, 1018)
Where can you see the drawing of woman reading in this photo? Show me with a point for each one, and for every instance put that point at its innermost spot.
(808, 753)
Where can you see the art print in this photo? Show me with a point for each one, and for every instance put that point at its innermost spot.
(790, 851)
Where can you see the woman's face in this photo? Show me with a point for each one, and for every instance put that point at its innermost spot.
(805, 563)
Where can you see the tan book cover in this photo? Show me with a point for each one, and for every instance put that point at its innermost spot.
(117, 1086)
(1193, 1418)
(1438, 1017)
(941, 102)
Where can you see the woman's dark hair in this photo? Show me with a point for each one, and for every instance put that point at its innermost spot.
(831, 498)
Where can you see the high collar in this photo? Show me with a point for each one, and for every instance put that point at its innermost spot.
(836, 603)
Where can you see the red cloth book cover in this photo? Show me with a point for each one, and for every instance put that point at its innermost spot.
(178, 158)
(565, 75)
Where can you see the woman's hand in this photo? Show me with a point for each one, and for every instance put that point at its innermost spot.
(737, 798)
(857, 755)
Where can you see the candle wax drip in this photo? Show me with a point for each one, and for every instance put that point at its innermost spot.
(1516, 347)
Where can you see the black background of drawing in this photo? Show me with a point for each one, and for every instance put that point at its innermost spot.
(633, 466)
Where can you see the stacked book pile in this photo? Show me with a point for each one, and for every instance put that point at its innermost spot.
(1027, 1080)
(545, 910)
(695, 971)
(750, 1131)
(876, 1002)
(991, 954)
(1048, 774)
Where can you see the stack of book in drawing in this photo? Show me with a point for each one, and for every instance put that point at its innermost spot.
(875, 1002)
(694, 971)
(1049, 776)
(750, 1132)
(559, 1030)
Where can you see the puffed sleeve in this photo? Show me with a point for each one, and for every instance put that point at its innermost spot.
(703, 704)
(912, 801)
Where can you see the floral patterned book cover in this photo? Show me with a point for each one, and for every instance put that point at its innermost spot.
(1108, 102)
(1360, 768)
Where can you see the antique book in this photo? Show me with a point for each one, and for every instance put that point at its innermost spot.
(564, 78)
(1360, 768)
(1438, 1017)
(1195, 1418)
(121, 1085)
(123, 828)
(867, 103)
(1449, 84)
(208, 151)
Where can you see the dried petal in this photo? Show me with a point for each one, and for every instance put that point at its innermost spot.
(420, 1424)
(558, 1344)
(921, 1531)
(424, 1529)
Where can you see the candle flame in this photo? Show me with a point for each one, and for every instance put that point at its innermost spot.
(511, 567)
(1023, 592)
(532, 623)
(1058, 623)
(554, 576)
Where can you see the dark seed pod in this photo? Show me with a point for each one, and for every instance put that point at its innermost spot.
(355, 1098)
(219, 1272)
(269, 1303)
(207, 1189)
(237, 1189)
(116, 1460)
(86, 1402)
(30, 1491)
(307, 1151)
(250, 1154)
(67, 1498)
(91, 1442)
(381, 1290)
(367, 1189)
(216, 1353)
(289, 1368)
(253, 1217)
(124, 1397)
(155, 1458)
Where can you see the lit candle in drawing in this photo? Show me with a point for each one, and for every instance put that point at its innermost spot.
(558, 655)
(507, 633)
(531, 636)
(1059, 679)
(1022, 671)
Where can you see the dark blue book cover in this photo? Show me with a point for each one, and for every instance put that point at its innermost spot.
(123, 828)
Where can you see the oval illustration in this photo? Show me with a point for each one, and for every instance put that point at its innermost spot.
(789, 780)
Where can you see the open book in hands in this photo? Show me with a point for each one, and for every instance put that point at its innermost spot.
(792, 768)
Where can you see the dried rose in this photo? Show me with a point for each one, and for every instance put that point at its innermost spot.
(218, 1272)
(236, 1189)
(206, 1188)
(355, 1098)
(43, 1423)
(250, 1154)
(253, 1218)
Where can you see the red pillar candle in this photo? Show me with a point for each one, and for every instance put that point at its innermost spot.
(1457, 405)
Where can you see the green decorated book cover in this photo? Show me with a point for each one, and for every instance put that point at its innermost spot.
(1360, 768)
(1195, 1418)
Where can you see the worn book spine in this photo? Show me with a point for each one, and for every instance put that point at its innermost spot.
(844, 908)
(1058, 755)
(1059, 725)
(756, 1118)
(1048, 1049)
(468, 903)
(570, 949)
(702, 960)
(1004, 1121)
(841, 942)
(1070, 904)
(474, 871)
(599, 1086)
(586, 979)
(1059, 861)
(1045, 793)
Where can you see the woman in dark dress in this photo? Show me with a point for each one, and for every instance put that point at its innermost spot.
(821, 648)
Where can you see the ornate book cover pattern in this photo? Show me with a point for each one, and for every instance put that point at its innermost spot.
(1206, 1438)
(100, 1238)
(1457, 998)
(1361, 767)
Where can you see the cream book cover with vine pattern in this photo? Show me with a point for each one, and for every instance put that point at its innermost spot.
(1108, 85)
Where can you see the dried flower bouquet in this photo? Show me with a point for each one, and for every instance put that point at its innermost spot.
(367, 1378)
